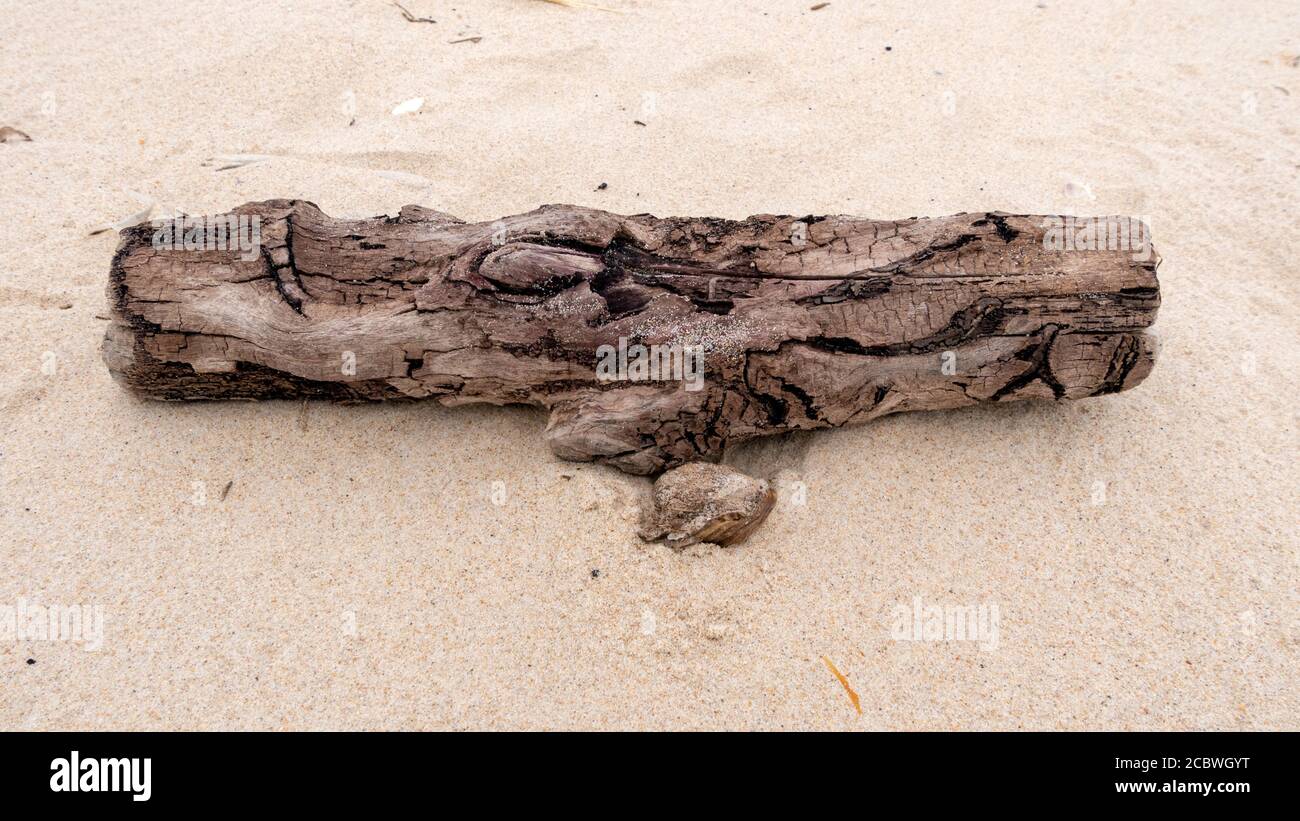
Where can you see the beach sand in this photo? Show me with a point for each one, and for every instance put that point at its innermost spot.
(1140, 549)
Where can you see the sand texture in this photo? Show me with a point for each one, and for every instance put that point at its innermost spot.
(1130, 560)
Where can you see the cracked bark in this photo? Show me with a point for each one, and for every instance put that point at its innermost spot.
(837, 322)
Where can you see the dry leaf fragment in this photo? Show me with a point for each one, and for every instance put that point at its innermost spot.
(9, 134)
(229, 161)
(126, 222)
(853, 696)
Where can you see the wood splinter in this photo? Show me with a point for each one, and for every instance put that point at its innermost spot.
(798, 323)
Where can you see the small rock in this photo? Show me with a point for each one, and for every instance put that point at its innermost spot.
(703, 502)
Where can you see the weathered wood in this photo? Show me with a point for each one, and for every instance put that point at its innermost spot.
(702, 502)
(803, 322)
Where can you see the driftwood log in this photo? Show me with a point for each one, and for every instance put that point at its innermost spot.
(803, 323)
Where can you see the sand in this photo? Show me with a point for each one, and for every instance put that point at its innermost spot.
(1140, 549)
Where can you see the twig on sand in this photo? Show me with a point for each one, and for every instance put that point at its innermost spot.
(576, 4)
(411, 18)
